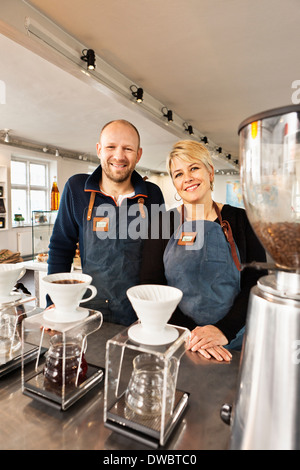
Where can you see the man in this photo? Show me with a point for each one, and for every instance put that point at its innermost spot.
(107, 212)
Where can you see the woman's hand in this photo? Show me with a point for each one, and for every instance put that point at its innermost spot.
(209, 341)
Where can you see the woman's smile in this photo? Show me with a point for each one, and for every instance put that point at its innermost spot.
(192, 187)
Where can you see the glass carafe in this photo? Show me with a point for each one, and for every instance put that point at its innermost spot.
(65, 359)
(144, 394)
(10, 340)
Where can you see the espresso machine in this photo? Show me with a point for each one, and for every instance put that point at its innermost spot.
(266, 414)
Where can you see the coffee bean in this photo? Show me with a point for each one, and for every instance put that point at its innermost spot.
(282, 241)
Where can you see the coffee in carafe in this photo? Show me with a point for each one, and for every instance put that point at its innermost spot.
(65, 362)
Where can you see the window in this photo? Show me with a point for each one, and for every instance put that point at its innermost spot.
(29, 188)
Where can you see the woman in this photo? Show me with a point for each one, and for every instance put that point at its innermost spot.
(194, 252)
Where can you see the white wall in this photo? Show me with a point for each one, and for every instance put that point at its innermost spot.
(220, 186)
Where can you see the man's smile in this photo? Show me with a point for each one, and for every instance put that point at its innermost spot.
(118, 165)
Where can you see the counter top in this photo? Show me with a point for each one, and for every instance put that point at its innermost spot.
(27, 424)
(36, 265)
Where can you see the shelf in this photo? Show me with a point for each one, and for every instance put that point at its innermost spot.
(42, 226)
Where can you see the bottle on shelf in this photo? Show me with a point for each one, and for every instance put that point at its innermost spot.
(55, 197)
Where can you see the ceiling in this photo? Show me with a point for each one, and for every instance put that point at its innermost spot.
(213, 62)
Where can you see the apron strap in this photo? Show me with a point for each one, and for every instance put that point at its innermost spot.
(141, 201)
(91, 205)
(228, 234)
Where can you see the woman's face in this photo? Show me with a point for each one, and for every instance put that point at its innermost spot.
(191, 180)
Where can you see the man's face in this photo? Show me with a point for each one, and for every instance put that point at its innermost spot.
(118, 151)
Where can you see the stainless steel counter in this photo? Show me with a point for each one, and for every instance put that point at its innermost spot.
(27, 424)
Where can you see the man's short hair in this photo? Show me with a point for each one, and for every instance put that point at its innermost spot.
(127, 123)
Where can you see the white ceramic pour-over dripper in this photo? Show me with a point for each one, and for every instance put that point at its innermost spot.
(67, 297)
(9, 275)
(154, 305)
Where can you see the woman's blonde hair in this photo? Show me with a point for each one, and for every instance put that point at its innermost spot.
(191, 151)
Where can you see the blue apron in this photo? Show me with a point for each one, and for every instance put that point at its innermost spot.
(205, 271)
(113, 260)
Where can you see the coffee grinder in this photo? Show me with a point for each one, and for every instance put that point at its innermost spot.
(266, 414)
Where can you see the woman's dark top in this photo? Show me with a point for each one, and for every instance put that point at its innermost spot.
(249, 248)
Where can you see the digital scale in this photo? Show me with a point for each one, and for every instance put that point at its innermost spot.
(121, 352)
(59, 390)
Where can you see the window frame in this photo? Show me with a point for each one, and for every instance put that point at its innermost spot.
(27, 187)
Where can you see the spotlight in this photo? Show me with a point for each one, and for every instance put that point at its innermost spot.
(56, 153)
(7, 138)
(88, 55)
(204, 139)
(167, 113)
(188, 128)
(228, 156)
(219, 149)
(137, 93)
